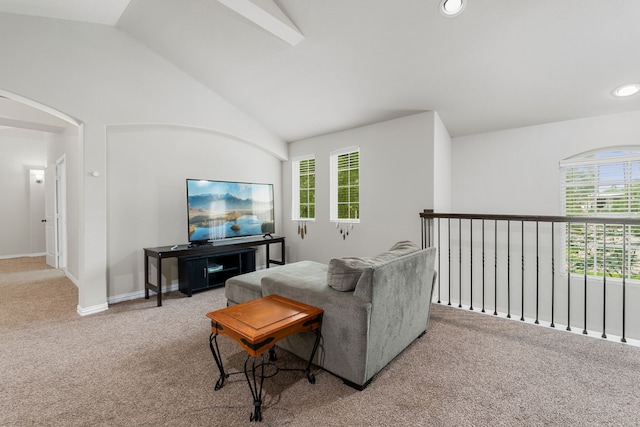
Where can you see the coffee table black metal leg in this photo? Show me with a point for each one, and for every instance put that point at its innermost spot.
(215, 351)
(310, 376)
(255, 385)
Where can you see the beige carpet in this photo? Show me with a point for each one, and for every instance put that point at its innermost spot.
(141, 365)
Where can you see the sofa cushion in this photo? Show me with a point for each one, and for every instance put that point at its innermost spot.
(343, 273)
(246, 287)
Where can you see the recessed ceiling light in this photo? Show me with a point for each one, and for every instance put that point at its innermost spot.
(626, 90)
(451, 7)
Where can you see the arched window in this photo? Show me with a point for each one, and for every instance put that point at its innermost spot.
(603, 183)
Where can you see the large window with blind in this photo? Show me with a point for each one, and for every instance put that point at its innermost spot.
(304, 188)
(345, 185)
(603, 184)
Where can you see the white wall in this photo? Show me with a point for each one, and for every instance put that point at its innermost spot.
(516, 171)
(100, 76)
(68, 144)
(21, 151)
(148, 168)
(441, 166)
(396, 183)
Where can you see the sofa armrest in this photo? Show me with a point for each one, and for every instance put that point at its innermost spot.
(400, 293)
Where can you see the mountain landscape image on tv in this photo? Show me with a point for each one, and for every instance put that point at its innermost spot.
(225, 209)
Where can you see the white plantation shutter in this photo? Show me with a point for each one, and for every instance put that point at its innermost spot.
(603, 184)
(345, 185)
(303, 202)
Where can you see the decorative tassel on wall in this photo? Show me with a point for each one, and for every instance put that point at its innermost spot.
(344, 229)
(302, 229)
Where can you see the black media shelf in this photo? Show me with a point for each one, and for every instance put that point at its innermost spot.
(192, 260)
(202, 272)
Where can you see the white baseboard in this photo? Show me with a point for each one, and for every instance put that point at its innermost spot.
(21, 255)
(138, 294)
(82, 311)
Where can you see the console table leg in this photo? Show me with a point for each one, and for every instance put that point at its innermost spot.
(159, 285)
(215, 351)
(255, 385)
(146, 276)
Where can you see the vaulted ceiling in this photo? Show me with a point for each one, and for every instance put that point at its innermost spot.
(500, 64)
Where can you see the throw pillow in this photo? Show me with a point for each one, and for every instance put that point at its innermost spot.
(404, 247)
(343, 273)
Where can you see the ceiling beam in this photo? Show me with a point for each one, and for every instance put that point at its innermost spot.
(266, 14)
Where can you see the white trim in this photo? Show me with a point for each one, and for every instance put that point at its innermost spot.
(344, 150)
(21, 256)
(61, 204)
(33, 104)
(593, 161)
(138, 294)
(93, 309)
(305, 157)
(333, 184)
(295, 186)
(70, 277)
(267, 15)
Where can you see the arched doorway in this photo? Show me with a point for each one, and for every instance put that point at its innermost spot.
(61, 135)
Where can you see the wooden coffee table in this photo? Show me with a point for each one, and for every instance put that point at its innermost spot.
(257, 326)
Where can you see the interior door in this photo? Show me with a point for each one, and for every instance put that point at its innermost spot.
(50, 214)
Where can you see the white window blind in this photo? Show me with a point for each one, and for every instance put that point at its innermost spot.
(303, 188)
(603, 184)
(345, 185)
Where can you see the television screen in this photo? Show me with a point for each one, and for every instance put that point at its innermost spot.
(224, 209)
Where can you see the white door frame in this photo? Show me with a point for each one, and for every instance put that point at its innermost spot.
(51, 231)
(61, 204)
(56, 214)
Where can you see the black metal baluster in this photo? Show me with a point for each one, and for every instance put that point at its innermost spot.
(588, 257)
(604, 280)
(460, 263)
(624, 280)
(537, 272)
(471, 264)
(495, 265)
(483, 265)
(439, 264)
(569, 277)
(449, 250)
(586, 242)
(522, 284)
(508, 269)
(553, 274)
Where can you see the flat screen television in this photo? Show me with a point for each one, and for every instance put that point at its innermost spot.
(225, 209)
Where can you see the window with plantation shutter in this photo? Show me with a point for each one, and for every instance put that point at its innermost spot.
(304, 188)
(345, 185)
(603, 184)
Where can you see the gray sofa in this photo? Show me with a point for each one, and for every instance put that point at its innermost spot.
(373, 307)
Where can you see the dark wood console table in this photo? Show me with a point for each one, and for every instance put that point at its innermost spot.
(218, 247)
